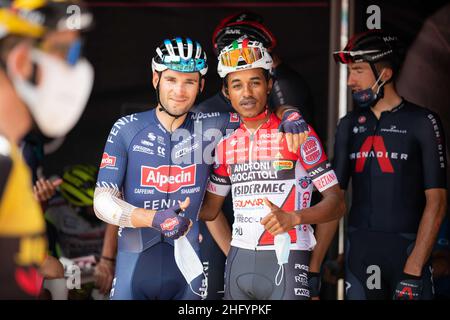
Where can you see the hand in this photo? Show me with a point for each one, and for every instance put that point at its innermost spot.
(409, 289)
(278, 221)
(296, 130)
(45, 189)
(104, 274)
(170, 224)
(314, 283)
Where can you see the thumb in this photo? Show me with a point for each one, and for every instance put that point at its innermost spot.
(184, 204)
(270, 204)
(57, 182)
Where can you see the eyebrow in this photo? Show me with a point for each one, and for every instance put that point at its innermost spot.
(251, 79)
(187, 79)
(355, 67)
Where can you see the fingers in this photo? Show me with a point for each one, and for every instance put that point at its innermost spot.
(44, 189)
(266, 219)
(268, 203)
(103, 278)
(279, 137)
(301, 139)
(273, 227)
(57, 182)
(185, 203)
(187, 229)
(295, 143)
(289, 141)
(49, 189)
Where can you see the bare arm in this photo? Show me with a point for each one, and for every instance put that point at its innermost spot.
(221, 232)
(109, 249)
(215, 220)
(435, 208)
(104, 270)
(331, 207)
(324, 234)
(211, 206)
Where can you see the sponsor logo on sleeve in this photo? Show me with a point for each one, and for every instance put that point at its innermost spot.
(304, 182)
(325, 181)
(234, 117)
(108, 161)
(311, 151)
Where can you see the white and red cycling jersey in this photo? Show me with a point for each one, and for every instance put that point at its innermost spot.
(255, 166)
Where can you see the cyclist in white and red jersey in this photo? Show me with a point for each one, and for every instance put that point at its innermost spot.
(268, 183)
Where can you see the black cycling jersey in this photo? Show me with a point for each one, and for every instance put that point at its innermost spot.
(392, 161)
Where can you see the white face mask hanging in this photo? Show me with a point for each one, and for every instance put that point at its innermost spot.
(58, 101)
(282, 244)
(189, 263)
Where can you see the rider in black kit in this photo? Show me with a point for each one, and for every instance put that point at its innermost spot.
(394, 151)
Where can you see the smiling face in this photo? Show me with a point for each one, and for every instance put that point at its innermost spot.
(178, 90)
(247, 91)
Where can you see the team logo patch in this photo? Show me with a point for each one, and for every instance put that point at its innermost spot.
(168, 178)
(311, 151)
(234, 117)
(169, 224)
(362, 119)
(294, 116)
(107, 161)
(304, 182)
(282, 165)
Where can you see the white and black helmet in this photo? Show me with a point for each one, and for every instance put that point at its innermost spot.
(243, 54)
(180, 54)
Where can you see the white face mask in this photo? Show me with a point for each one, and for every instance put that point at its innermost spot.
(59, 99)
(188, 262)
(282, 243)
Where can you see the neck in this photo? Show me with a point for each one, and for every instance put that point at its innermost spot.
(15, 119)
(169, 122)
(390, 100)
(252, 126)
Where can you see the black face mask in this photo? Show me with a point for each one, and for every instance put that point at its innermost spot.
(367, 98)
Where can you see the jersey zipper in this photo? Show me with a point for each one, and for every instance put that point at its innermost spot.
(369, 166)
(250, 159)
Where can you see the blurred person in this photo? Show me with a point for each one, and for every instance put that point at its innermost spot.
(35, 89)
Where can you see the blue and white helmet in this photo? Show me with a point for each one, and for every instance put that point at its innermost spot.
(180, 54)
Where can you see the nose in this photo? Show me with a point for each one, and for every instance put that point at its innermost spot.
(248, 91)
(351, 81)
(179, 89)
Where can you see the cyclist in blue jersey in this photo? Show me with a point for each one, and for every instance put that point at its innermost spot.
(153, 177)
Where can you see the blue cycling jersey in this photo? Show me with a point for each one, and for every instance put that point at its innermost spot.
(154, 168)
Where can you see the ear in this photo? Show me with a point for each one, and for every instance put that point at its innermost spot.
(202, 84)
(269, 86)
(18, 61)
(225, 92)
(155, 79)
(388, 73)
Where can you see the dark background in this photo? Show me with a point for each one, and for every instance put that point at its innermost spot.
(125, 35)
